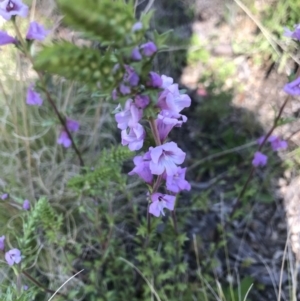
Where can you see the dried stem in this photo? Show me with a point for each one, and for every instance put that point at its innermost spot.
(50, 291)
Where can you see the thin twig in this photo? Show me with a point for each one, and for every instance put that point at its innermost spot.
(37, 283)
(48, 96)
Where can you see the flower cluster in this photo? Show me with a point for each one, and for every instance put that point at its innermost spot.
(276, 144)
(160, 163)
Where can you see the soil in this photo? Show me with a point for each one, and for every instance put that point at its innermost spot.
(258, 238)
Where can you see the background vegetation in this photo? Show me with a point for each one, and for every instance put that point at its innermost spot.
(93, 219)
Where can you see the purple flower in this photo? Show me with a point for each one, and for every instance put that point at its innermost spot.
(6, 39)
(2, 243)
(26, 205)
(161, 201)
(135, 54)
(129, 117)
(275, 141)
(166, 81)
(137, 26)
(36, 32)
(72, 125)
(4, 196)
(124, 90)
(148, 49)
(155, 80)
(130, 77)
(177, 182)
(165, 157)
(165, 122)
(135, 138)
(142, 101)
(293, 88)
(293, 34)
(13, 256)
(142, 168)
(277, 144)
(259, 159)
(25, 287)
(33, 98)
(171, 99)
(9, 8)
(64, 139)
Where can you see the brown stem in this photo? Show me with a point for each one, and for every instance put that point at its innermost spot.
(48, 96)
(251, 173)
(48, 290)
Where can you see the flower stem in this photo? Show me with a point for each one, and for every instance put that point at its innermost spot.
(154, 131)
(48, 96)
(251, 173)
(37, 283)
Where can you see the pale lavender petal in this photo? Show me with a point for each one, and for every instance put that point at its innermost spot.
(137, 26)
(6, 39)
(36, 32)
(9, 8)
(166, 81)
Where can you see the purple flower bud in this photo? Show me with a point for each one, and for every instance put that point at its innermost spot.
(9, 8)
(36, 32)
(25, 287)
(293, 88)
(133, 79)
(135, 54)
(33, 98)
(4, 196)
(64, 139)
(155, 80)
(161, 201)
(137, 26)
(72, 125)
(142, 101)
(13, 256)
(124, 90)
(148, 49)
(2, 243)
(6, 39)
(259, 159)
(26, 205)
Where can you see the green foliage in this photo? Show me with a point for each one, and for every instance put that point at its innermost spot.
(106, 173)
(80, 64)
(105, 20)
